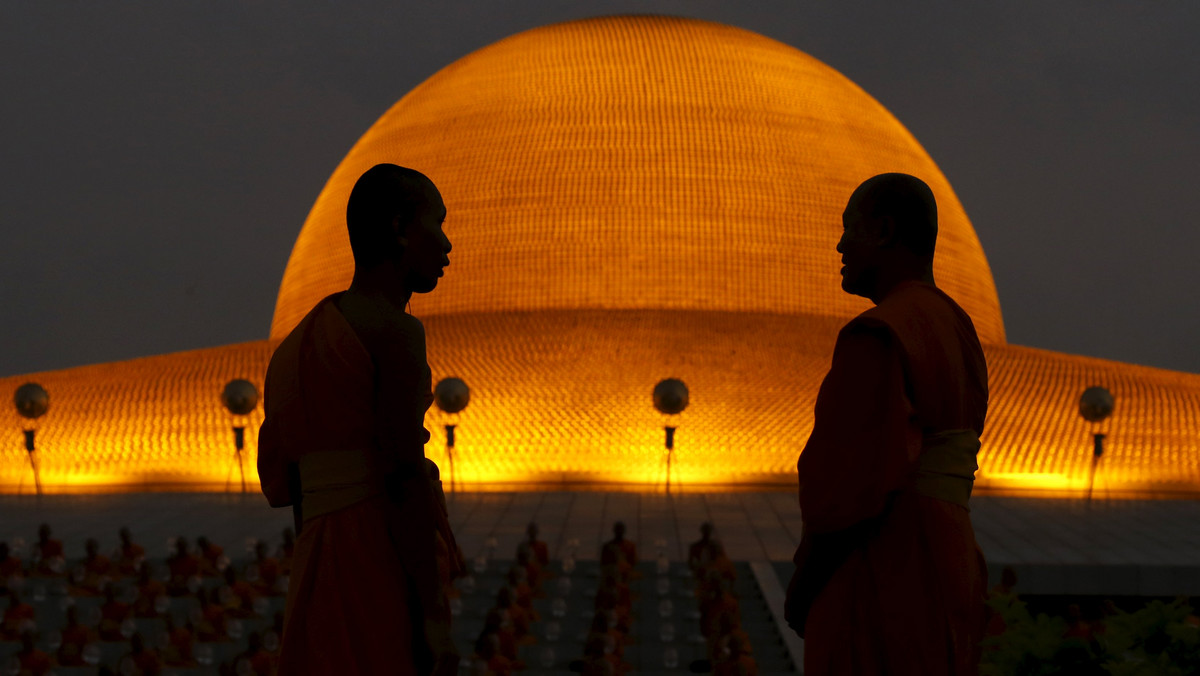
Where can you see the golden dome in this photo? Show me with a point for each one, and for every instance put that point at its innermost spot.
(639, 163)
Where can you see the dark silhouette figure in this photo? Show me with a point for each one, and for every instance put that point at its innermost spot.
(183, 567)
(32, 661)
(346, 395)
(10, 566)
(130, 554)
(49, 553)
(704, 551)
(888, 577)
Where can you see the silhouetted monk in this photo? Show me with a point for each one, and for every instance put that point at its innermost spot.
(889, 578)
(343, 443)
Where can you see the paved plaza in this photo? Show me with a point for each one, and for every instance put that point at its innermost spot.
(1057, 546)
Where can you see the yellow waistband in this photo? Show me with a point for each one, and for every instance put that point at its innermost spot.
(946, 467)
(333, 480)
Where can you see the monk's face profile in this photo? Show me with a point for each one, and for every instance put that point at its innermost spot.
(889, 230)
(862, 247)
(426, 252)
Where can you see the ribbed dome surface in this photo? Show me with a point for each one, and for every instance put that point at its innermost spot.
(639, 163)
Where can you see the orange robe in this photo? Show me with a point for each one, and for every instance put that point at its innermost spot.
(47, 550)
(111, 616)
(895, 579)
(353, 606)
(148, 594)
(14, 616)
(209, 556)
(130, 558)
(35, 663)
(9, 567)
(74, 639)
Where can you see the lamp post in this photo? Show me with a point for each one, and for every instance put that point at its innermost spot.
(451, 395)
(670, 397)
(1095, 405)
(32, 402)
(240, 397)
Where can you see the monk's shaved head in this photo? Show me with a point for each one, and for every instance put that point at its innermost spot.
(386, 192)
(908, 202)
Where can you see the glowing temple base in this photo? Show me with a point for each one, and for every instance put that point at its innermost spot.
(563, 399)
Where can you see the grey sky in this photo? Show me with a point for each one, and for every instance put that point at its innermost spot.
(158, 159)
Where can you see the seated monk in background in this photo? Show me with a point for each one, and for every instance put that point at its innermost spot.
(541, 552)
(212, 622)
(49, 552)
(183, 566)
(619, 549)
(889, 579)
(129, 555)
(241, 594)
(140, 659)
(148, 592)
(343, 444)
(75, 636)
(703, 551)
(97, 569)
(10, 566)
(31, 661)
(17, 616)
(113, 613)
(268, 570)
(209, 556)
(178, 649)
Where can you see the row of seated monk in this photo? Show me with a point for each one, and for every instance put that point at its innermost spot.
(216, 617)
(130, 588)
(175, 648)
(508, 623)
(183, 573)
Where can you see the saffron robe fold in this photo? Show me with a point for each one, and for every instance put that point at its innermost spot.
(889, 578)
(359, 589)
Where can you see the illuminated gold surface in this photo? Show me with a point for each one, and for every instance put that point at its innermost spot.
(639, 163)
(565, 397)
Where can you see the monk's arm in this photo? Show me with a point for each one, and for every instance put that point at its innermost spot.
(401, 438)
(864, 438)
(272, 466)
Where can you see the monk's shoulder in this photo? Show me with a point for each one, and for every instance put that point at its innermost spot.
(381, 328)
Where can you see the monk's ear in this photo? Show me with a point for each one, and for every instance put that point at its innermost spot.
(398, 232)
(885, 227)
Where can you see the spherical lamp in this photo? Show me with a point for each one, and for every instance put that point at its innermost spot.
(670, 396)
(452, 396)
(32, 402)
(1095, 405)
(240, 397)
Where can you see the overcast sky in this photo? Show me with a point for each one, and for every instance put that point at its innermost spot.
(158, 158)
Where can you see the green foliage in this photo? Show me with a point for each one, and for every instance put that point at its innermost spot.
(1157, 640)
(1161, 639)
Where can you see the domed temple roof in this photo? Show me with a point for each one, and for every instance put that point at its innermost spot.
(639, 163)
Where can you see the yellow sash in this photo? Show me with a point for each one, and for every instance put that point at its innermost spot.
(333, 480)
(946, 466)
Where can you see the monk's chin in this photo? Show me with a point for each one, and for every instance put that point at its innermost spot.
(422, 285)
(854, 289)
